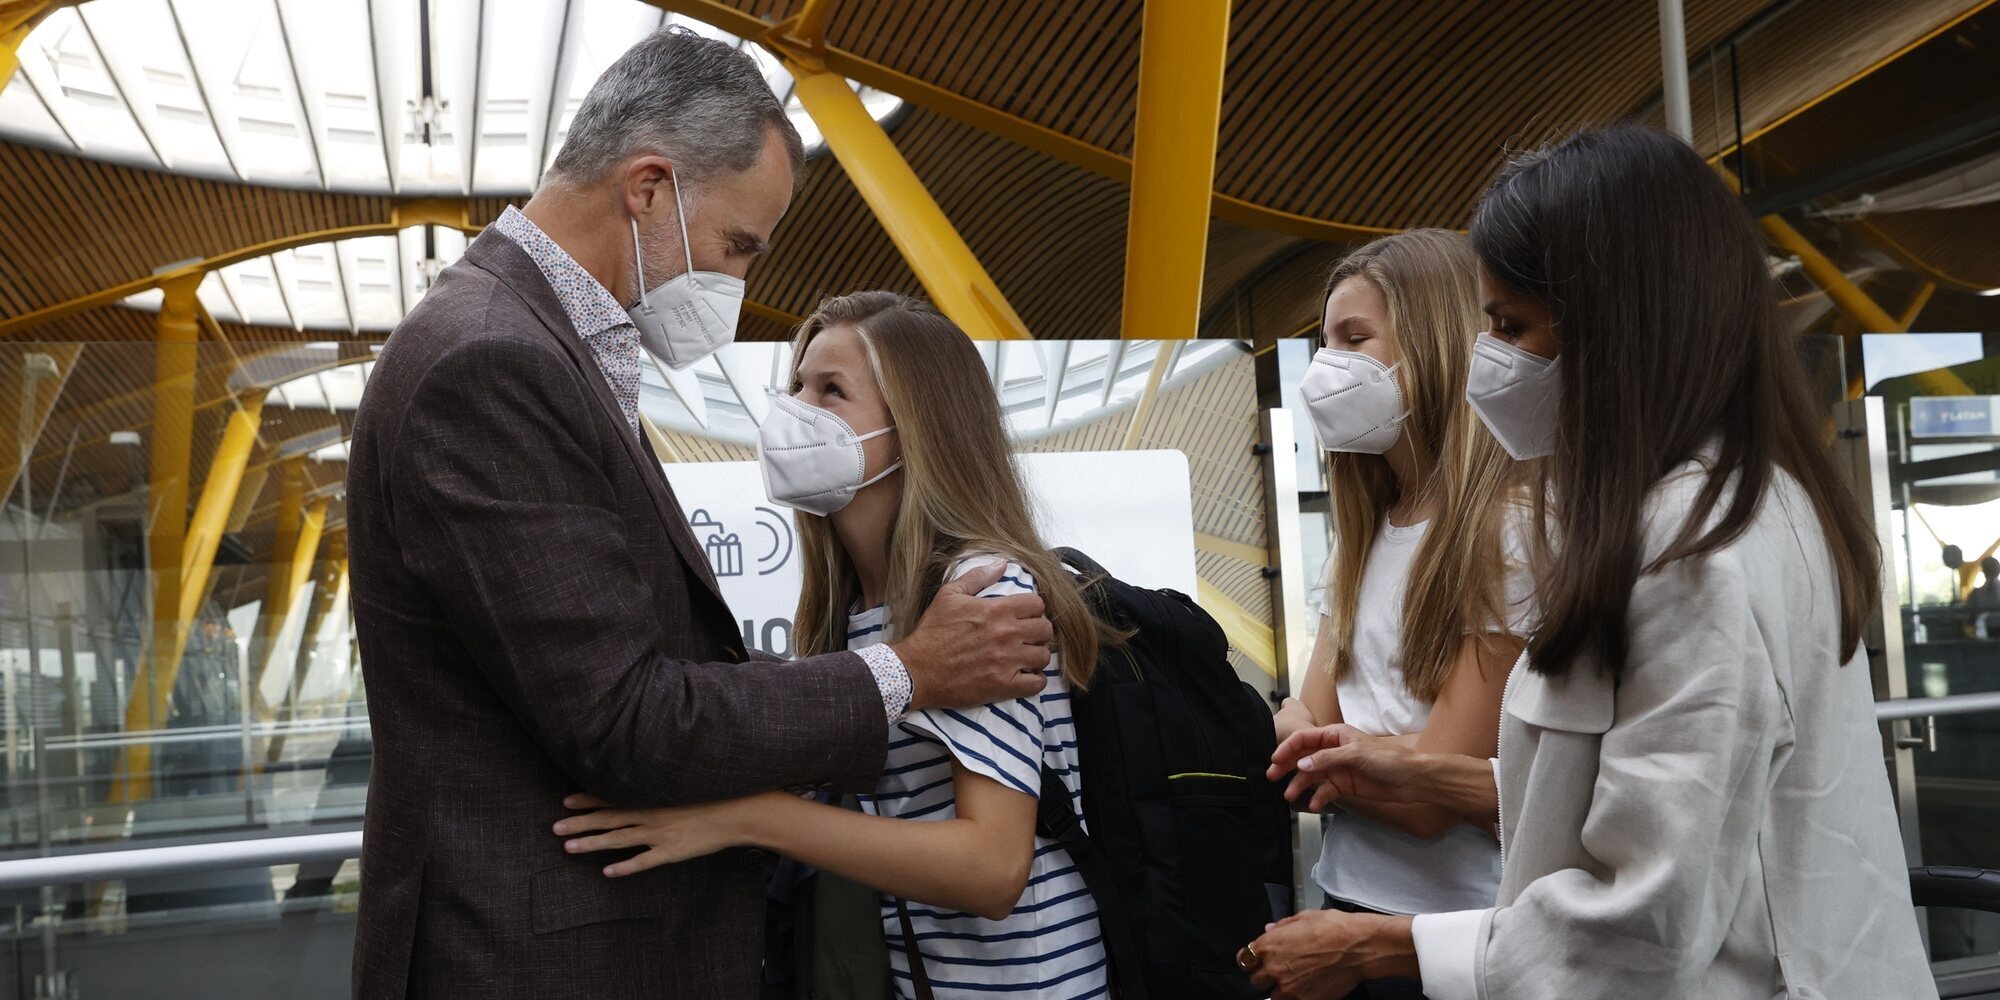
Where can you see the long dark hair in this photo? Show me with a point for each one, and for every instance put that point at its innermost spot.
(1660, 296)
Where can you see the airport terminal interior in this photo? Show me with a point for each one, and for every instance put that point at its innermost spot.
(214, 213)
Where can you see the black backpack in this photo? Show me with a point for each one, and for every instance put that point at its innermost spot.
(1189, 852)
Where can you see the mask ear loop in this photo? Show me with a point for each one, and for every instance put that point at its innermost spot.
(680, 216)
(639, 265)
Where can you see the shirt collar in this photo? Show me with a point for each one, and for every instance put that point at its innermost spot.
(591, 308)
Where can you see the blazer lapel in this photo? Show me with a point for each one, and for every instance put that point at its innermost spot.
(507, 261)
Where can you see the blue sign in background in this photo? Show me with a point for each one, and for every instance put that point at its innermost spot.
(1953, 416)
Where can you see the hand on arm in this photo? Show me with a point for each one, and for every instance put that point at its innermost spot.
(976, 862)
(970, 650)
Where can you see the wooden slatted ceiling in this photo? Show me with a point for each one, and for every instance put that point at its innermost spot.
(76, 226)
(1382, 114)
(1374, 114)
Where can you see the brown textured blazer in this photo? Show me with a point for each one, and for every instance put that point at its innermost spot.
(536, 618)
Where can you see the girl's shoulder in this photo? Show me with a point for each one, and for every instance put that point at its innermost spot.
(1015, 578)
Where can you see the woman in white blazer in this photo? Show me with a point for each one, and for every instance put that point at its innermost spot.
(1690, 791)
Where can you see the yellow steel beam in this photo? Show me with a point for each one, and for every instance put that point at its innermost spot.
(278, 588)
(1829, 277)
(1142, 408)
(1922, 298)
(1854, 302)
(167, 498)
(1252, 554)
(312, 524)
(957, 283)
(1908, 258)
(333, 577)
(1246, 633)
(1013, 128)
(1183, 47)
(661, 443)
(218, 498)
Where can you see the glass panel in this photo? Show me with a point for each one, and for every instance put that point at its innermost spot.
(70, 73)
(139, 40)
(339, 93)
(1944, 461)
(245, 63)
(25, 116)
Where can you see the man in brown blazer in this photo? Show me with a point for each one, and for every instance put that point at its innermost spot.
(535, 616)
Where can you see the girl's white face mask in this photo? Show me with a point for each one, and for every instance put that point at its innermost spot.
(690, 316)
(812, 460)
(1354, 401)
(1517, 395)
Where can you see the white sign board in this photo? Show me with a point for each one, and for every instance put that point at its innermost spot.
(1129, 510)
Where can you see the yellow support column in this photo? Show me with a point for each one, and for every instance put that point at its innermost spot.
(278, 589)
(952, 276)
(333, 578)
(218, 499)
(1143, 407)
(1183, 47)
(167, 500)
(297, 570)
(1829, 277)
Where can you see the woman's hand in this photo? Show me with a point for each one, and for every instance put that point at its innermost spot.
(668, 835)
(1324, 954)
(1344, 761)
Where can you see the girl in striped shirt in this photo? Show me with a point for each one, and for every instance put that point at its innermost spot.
(993, 909)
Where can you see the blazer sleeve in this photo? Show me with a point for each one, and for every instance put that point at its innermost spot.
(1672, 829)
(505, 513)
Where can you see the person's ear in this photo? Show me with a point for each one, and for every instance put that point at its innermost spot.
(648, 188)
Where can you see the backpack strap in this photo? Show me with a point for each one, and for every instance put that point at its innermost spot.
(1056, 819)
(918, 978)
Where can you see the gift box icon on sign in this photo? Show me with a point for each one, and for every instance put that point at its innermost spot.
(724, 548)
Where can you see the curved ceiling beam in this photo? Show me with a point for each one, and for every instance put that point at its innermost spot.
(1778, 122)
(781, 39)
(447, 212)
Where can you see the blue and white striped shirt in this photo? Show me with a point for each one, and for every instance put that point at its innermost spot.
(1050, 946)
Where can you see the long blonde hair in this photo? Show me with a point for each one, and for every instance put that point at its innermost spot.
(1429, 280)
(961, 491)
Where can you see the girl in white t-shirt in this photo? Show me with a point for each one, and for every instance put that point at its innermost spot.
(891, 445)
(1423, 618)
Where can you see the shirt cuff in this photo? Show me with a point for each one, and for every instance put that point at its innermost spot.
(1447, 949)
(891, 677)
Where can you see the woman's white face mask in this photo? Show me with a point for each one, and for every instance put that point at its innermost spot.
(812, 460)
(1354, 401)
(1517, 394)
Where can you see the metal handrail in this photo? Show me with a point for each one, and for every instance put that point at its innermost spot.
(139, 862)
(195, 734)
(1918, 708)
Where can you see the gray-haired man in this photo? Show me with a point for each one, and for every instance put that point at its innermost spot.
(536, 617)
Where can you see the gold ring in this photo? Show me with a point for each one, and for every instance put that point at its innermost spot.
(1248, 959)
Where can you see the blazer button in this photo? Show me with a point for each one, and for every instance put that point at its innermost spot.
(755, 858)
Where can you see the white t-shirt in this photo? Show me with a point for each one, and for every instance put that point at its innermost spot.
(1374, 864)
(1050, 946)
